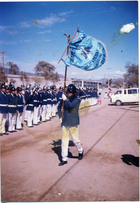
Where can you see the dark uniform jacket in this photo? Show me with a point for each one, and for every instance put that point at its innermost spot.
(3, 103)
(44, 98)
(27, 93)
(54, 98)
(12, 103)
(30, 103)
(71, 108)
(20, 103)
(40, 98)
(49, 98)
(36, 99)
(59, 96)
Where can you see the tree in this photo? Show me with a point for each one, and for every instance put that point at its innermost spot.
(12, 81)
(47, 70)
(118, 83)
(14, 69)
(24, 77)
(3, 77)
(110, 82)
(131, 78)
(37, 79)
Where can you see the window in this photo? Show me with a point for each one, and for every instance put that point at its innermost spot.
(119, 92)
(132, 91)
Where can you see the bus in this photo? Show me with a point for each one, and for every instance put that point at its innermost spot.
(80, 83)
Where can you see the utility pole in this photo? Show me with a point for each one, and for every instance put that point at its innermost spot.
(3, 57)
(108, 76)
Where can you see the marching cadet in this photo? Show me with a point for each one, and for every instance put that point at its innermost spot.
(30, 109)
(86, 100)
(59, 94)
(40, 105)
(27, 93)
(49, 104)
(54, 100)
(44, 103)
(70, 123)
(12, 105)
(7, 90)
(92, 99)
(36, 104)
(3, 110)
(20, 106)
(95, 95)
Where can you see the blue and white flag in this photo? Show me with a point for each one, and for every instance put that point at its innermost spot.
(86, 53)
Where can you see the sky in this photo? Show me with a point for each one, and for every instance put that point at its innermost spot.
(34, 31)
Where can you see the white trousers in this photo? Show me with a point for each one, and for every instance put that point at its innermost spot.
(3, 119)
(49, 112)
(44, 112)
(66, 132)
(19, 120)
(54, 109)
(30, 115)
(35, 119)
(12, 121)
(25, 116)
(39, 112)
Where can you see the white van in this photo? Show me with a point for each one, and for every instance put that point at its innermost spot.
(125, 95)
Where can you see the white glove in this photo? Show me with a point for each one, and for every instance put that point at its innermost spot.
(60, 120)
(64, 97)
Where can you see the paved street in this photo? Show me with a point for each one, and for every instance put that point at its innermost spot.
(108, 171)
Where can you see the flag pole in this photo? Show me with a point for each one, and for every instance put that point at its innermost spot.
(68, 44)
(65, 74)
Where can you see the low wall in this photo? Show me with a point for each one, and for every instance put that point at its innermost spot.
(39, 80)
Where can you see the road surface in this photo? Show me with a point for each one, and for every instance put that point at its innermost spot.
(108, 171)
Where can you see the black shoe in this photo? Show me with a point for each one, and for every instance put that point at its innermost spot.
(1, 134)
(5, 133)
(62, 163)
(19, 128)
(80, 155)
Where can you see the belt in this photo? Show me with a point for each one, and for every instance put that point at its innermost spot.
(49, 99)
(44, 99)
(30, 105)
(3, 104)
(11, 105)
(35, 100)
(19, 105)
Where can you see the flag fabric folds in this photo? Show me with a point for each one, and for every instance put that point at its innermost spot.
(86, 53)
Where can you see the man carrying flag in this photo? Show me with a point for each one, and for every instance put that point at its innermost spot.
(88, 54)
(70, 123)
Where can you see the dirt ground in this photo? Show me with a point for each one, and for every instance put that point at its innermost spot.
(109, 170)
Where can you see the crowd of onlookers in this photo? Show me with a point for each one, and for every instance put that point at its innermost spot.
(39, 104)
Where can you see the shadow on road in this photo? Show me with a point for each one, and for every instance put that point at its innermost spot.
(130, 159)
(57, 149)
(131, 104)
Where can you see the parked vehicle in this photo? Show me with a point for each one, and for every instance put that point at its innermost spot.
(125, 96)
